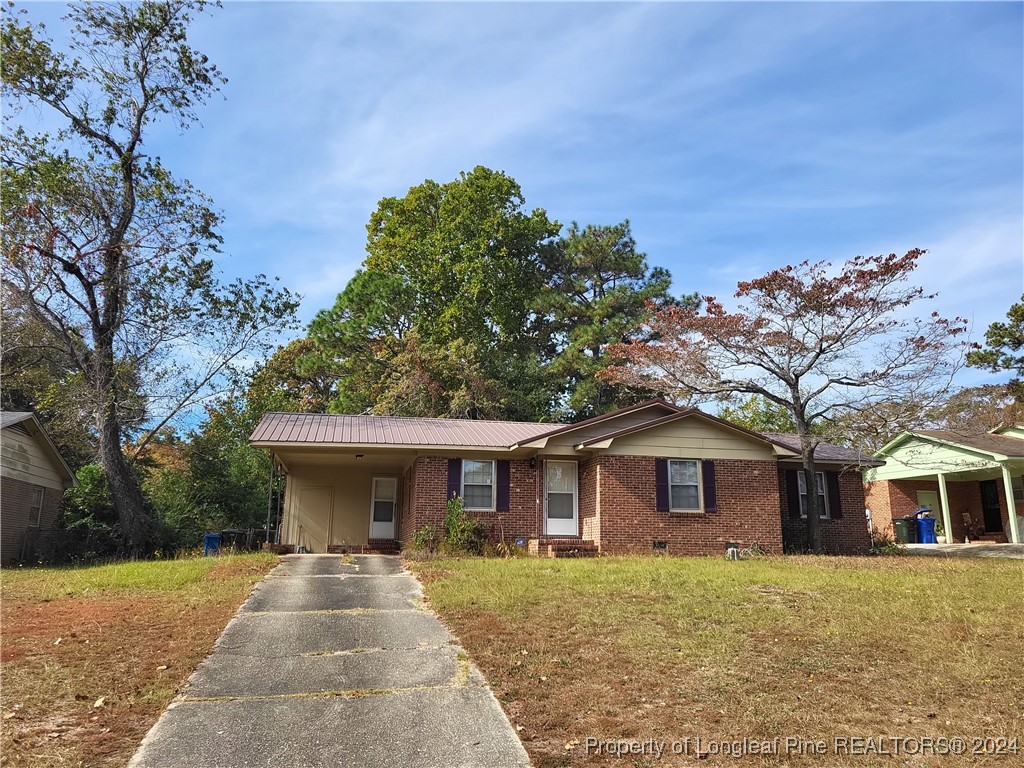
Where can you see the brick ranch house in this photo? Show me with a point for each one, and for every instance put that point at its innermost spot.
(33, 478)
(971, 481)
(648, 478)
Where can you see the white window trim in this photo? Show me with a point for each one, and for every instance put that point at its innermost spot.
(494, 485)
(37, 506)
(700, 487)
(1018, 489)
(826, 513)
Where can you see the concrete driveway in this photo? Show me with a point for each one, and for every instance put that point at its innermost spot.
(978, 549)
(334, 663)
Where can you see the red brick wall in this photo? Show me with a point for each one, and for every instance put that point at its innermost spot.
(15, 500)
(590, 520)
(406, 529)
(846, 535)
(617, 507)
(748, 509)
(429, 505)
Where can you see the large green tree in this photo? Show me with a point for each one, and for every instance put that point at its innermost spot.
(445, 299)
(1004, 349)
(597, 291)
(108, 251)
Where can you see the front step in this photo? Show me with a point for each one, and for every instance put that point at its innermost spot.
(555, 547)
(992, 538)
(372, 547)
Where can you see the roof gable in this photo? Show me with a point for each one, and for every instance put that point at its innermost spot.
(989, 444)
(29, 423)
(634, 416)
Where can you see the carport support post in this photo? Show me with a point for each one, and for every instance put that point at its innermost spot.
(947, 522)
(1011, 508)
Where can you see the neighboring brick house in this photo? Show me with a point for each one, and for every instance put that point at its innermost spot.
(650, 478)
(33, 478)
(972, 482)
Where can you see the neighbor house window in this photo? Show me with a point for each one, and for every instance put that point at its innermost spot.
(822, 496)
(35, 510)
(1018, 492)
(478, 484)
(684, 485)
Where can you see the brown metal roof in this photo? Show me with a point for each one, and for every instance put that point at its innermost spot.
(824, 451)
(986, 442)
(337, 429)
(328, 428)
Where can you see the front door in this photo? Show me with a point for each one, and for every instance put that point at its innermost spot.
(560, 499)
(990, 506)
(929, 499)
(384, 496)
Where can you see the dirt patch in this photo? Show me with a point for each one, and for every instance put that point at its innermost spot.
(86, 677)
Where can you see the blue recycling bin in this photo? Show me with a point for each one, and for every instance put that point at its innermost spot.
(926, 530)
(211, 544)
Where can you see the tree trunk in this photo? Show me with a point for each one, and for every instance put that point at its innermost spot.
(813, 505)
(807, 446)
(125, 490)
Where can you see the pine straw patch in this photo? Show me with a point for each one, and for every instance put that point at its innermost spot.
(670, 648)
(127, 634)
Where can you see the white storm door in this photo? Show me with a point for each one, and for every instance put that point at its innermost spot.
(560, 499)
(384, 496)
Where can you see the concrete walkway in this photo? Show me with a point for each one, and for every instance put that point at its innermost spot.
(334, 663)
(979, 549)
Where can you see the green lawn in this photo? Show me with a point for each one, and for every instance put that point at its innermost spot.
(670, 648)
(124, 636)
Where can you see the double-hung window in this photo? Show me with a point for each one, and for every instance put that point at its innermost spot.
(822, 496)
(684, 485)
(478, 484)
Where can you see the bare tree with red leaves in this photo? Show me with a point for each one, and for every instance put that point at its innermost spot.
(820, 340)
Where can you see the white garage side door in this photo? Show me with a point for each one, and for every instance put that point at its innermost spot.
(383, 500)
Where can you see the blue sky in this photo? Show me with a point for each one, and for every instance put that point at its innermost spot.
(736, 137)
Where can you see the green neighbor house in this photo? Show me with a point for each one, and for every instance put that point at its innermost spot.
(971, 481)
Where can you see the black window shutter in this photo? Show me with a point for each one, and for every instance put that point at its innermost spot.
(835, 507)
(502, 496)
(454, 478)
(793, 492)
(707, 471)
(661, 484)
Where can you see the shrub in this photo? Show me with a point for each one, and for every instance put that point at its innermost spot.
(426, 539)
(462, 533)
(886, 544)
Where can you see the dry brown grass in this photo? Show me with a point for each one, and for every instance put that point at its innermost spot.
(670, 648)
(129, 634)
